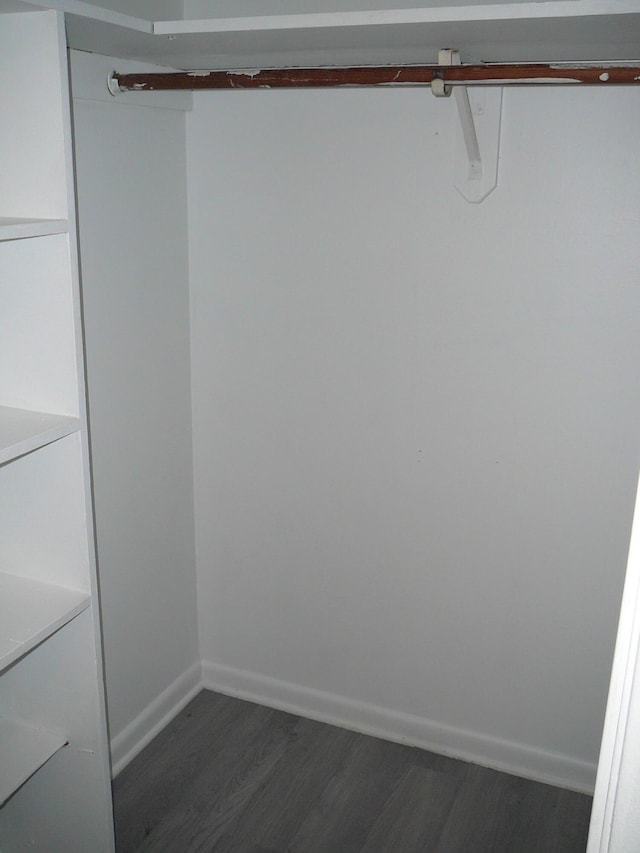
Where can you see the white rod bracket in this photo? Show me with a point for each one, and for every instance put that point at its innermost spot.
(478, 142)
(112, 84)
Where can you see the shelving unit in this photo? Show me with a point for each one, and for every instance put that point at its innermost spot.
(31, 611)
(22, 431)
(23, 751)
(54, 766)
(18, 229)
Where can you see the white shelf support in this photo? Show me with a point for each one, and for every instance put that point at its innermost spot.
(478, 142)
(112, 84)
(469, 135)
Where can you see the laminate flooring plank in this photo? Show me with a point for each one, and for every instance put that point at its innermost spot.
(566, 825)
(215, 796)
(415, 814)
(146, 790)
(531, 825)
(543, 818)
(480, 815)
(528, 807)
(316, 753)
(499, 813)
(258, 849)
(342, 817)
(440, 763)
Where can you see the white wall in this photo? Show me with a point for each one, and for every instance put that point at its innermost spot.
(415, 419)
(133, 235)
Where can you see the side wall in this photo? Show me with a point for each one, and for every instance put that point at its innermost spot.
(133, 237)
(415, 419)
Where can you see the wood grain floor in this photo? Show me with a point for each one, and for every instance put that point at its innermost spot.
(233, 777)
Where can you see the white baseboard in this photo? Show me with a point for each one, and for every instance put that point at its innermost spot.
(140, 731)
(529, 762)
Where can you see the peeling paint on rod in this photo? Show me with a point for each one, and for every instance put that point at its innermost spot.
(535, 74)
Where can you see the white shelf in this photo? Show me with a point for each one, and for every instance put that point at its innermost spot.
(30, 611)
(23, 751)
(507, 31)
(556, 30)
(22, 431)
(17, 229)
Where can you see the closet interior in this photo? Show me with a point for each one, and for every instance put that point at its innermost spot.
(292, 408)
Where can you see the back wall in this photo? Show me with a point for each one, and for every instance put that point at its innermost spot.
(415, 419)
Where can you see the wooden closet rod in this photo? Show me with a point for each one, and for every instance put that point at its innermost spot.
(384, 75)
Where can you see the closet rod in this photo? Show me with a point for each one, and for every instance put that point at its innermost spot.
(384, 75)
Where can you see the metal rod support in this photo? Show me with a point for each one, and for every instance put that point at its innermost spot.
(400, 75)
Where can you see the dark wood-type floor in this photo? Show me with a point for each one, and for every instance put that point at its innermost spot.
(228, 775)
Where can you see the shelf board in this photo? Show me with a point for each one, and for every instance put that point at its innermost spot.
(23, 751)
(553, 31)
(18, 229)
(30, 611)
(401, 33)
(22, 430)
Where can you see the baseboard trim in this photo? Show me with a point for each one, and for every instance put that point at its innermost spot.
(519, 759)
(140, 731)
